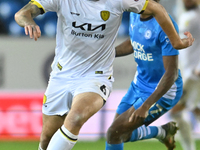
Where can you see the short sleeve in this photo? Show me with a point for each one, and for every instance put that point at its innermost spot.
(136, 6)
(47, 5)
(167, 48)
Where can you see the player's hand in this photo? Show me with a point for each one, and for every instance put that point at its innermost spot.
(188, 41)
(33, 31)
(139, 115)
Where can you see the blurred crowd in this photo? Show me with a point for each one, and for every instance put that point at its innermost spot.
(47, 22)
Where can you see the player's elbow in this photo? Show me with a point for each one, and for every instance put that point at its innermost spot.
(177, 44)
(175, 76)
(17, 16)
(172, 74)
(20, 16)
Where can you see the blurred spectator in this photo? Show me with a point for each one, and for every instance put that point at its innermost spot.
(190, 65)
(3, 29)
(9, 26)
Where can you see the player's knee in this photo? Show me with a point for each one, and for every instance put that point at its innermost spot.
(115, 135)
(77, 119)
(112, 135)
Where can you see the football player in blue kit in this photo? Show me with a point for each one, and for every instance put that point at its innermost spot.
(156, 88)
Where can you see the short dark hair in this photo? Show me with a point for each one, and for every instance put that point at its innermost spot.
(157, 1)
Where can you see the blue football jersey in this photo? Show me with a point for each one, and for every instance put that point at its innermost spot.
(150, 43)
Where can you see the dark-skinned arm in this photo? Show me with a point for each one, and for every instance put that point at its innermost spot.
(158, 11)
(24, 18)
(167, 80)
(124, 49)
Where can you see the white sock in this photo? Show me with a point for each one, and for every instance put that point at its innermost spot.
(39, 147)
(62, 140)
(161, 133)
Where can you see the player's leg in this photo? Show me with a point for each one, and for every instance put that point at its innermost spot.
(122, 130)
(85, 104)
(121, 127)
(56, 104)
(177, 111)
(185, 128)
(166, 132)
(196, 110)
(50, 125)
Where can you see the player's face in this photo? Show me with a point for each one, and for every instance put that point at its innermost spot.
(190, 3)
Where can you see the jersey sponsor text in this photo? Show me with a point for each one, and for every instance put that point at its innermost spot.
(139, 52)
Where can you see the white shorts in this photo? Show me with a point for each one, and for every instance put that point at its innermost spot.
(60, 92)
(191, 95)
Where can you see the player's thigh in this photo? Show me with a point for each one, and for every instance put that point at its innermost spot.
(58, 97)
(87, 103)
(116, 115)
(191, 97)
(162, 106)
(121, 129)
(133, 99)
(130, 99)
(84, 106)
(89, 97)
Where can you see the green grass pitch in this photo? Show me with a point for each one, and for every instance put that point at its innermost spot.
(96, 145)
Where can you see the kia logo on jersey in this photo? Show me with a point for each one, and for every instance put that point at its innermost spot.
(88, 26)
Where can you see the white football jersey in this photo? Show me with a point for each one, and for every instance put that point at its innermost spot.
(190, 57)
(86, 32)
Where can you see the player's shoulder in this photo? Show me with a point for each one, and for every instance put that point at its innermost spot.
(134, 16)
(115, 5)
(174, 23)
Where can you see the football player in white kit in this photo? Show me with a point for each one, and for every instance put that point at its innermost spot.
(81, 77)
(190, 65)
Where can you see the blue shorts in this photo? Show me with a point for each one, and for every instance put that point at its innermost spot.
(135, 97)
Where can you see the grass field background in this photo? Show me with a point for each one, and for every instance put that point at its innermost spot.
(95, 145)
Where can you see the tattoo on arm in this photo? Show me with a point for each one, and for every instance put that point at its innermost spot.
(35, 11)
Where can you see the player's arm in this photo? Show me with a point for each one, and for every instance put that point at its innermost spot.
(167, 80)
(158, 11)
(124, 49)
(24, 17)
